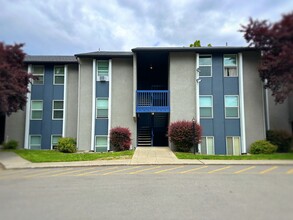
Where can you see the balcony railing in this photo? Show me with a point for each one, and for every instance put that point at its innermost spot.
(152, 101)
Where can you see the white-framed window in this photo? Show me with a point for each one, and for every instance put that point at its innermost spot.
(102, 107)
(233, 145)
(206, 106)
(58, 75)
(231, 106)
(54, 140)
(38, 71)
(230, 65)
(102, 68)
(35, 142)
(101, 143)
(57, 109)
(207, 145)
(36, 110)
(205, 65)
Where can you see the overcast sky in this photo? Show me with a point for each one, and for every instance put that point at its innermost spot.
(67, 27)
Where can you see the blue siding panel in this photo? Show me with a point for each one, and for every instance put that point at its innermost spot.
(58, 91)
(37, 92)
(232, 127)
(219, 86)
(219, 128)
(47, 92)
(231, 86)
(101, 127)
(56, 127)
(35, 127)
(207, 127)
(102, 89)
(205, 87)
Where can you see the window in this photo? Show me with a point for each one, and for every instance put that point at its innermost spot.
(58, 75)
(54, 140)
(205, 65)
(206, 106)
(231, 106)
(233, 146)
(36, 110)
(230, 65)
(207, 145)
(38, 71)
(103, 67)
(102, 107)
(101, 143)
(35, 142)
(57, 110)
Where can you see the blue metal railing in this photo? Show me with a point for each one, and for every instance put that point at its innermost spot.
(152, 101)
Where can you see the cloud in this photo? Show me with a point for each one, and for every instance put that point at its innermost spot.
(69, 27)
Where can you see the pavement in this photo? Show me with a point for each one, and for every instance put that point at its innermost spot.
(142, 156)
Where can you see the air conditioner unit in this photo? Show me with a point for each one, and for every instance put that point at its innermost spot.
(103, 78)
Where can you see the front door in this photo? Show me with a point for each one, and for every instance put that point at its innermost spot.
(2, 128)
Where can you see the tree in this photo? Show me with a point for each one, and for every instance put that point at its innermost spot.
(14, 79)
(275, 40)
(195, 44)
(198, 44)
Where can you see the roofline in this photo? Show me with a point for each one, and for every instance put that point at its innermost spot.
(193, 49)
(106, 54)
(32, 59)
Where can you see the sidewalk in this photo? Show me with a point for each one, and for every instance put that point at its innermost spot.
(142, 156)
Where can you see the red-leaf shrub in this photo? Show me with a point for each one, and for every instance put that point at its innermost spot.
(120, 139)
(181, 135)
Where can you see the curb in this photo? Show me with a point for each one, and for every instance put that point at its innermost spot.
(35, 166)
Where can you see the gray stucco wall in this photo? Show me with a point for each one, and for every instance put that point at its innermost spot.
(122, 96)
(71, 99)
(182, 86)
(253, 99)
(280, 114)
(14, 127)
(85, 104)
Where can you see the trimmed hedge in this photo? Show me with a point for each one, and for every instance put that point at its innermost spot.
(280, 138)
(66, 145)
(12, 144)
(262, 147)
(181, 135)
(120, 139)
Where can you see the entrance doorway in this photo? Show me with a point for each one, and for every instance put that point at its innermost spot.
(152, 129)
(2, 128)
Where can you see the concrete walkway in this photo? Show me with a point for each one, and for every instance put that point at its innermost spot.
(142, 156)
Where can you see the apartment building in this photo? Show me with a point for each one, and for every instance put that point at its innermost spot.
(146, 89)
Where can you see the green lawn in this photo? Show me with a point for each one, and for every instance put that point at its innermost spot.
(276, 156)
(38, 156)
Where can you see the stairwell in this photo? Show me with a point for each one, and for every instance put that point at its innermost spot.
(144, 137)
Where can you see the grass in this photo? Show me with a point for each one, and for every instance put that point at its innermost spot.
(39, 156)
(276, 156)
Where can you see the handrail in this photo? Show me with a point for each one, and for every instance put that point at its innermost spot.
(152, 101)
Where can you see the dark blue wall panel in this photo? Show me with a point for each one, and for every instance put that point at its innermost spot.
(207, 127)
(102, 89)
(101, 127)
(219, 128)
(101, 124)
(231, 86)
(219, 86)
(232, 127)
(47, 92)
(205, 87)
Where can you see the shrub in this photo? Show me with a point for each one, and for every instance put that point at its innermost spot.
(262, 147)
(280, 138)
(12, 144)
(120, 139)
(66, 145)
(181, 135)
